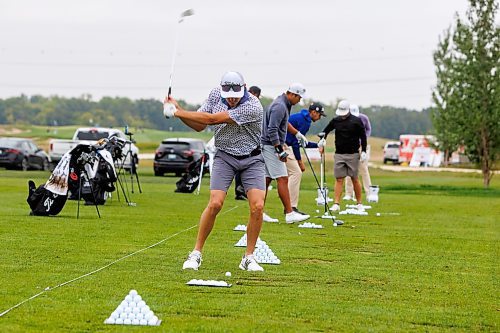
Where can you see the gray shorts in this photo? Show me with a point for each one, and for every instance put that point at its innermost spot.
(274, 167)
(225, 166)
(346, 165)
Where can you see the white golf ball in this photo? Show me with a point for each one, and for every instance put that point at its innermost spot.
(128, 309)
(153, 320)
(143, 322)
(119, 321)
(135, 321)
(378, 214)
(110, 320)
(132, 292)
(145, 309)
(129, 298)
(141, 304)
(228, 273)
(335, 224)
(136, 310)
(317, 210)
(132, 304)
(127, 321)
(137, 298)
(123, 315)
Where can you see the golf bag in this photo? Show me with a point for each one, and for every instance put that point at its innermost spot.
(50, 198)
(97, 173)
(190, 180)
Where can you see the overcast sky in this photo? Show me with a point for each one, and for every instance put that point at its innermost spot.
(367, 51)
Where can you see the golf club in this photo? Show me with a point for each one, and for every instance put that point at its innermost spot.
(201, 172)
(188, 12)
(327, 208)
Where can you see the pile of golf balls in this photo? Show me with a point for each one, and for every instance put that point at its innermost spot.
(240, 227)
(209, 283)
(243, 241)
(310, 225)
(352, 211)
(133, 311)
(264, 255)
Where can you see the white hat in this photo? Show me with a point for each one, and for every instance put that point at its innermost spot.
(342, 108)
(297, 89)
(232, 81)
(354, 110)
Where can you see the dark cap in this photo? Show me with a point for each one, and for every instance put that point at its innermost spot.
(254, 90)
(318, 108)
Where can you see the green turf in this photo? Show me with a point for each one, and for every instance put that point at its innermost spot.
(432, 268)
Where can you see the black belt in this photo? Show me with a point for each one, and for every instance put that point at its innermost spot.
(254, 152)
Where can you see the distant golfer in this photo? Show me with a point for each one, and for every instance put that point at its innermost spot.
(349, 133)
(236, 117)
(274, 129)
(295, 166)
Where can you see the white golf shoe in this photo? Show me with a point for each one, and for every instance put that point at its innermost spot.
(193, 261)
(248, 263)
(267, 218)
(295, 217)
(360, 207)
(335, 208)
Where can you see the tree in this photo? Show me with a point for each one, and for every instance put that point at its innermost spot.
(467, 96)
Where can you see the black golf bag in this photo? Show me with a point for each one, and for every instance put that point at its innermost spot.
(190, 180)
(50, 198)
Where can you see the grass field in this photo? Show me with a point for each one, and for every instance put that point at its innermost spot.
(433, 268)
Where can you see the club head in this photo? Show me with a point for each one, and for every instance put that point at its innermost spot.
(188, 12)
(321, 135)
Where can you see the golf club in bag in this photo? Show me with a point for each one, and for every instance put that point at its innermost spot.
(326, 214)
(50, 198)
(186, 13)
(191, 180)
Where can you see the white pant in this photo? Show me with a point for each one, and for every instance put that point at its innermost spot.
(363, 173)
(294, 177)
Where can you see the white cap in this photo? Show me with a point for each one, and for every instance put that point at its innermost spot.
(234, 79)
(354, 110)
(342, 108)
(297, 89)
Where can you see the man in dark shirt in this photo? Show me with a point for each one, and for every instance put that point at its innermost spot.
(349, 132)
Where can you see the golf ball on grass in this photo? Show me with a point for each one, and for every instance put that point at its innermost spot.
(228, 273)
(378, 214)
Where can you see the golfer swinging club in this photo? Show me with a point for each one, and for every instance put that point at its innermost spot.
(236, 117)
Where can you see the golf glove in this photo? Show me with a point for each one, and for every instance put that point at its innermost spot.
(169, 110)
(302, 139)
(363, 156)
(322, 143)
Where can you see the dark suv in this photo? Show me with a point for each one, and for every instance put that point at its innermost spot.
(176, 154)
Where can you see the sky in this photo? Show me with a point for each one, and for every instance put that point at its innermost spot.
(368, 52)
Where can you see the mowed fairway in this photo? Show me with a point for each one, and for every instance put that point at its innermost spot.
(432, 268)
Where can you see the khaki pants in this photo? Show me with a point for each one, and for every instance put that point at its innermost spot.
(294, 177)
(363, 173)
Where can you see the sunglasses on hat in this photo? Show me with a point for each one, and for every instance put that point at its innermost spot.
(234, 87)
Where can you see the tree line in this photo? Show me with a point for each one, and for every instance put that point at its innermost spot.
(387, 122)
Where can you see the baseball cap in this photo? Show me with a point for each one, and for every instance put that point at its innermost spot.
(297, 89)
(354, 109)
(232, 85)
(318, 108)
(342, 108)
(254, 90)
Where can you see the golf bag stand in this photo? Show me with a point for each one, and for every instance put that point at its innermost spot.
(85, 176)
(133, 167)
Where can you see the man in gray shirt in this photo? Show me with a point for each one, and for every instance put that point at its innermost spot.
(236, 117)
(274, 129)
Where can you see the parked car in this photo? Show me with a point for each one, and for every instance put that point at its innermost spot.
(391, 152)
(174, 155)
(90, 136)
(24, 154)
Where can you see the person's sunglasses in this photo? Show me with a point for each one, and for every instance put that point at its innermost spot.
(234, 87)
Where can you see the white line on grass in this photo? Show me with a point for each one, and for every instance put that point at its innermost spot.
(104, 267)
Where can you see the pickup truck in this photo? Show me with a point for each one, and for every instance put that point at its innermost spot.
(90, 136)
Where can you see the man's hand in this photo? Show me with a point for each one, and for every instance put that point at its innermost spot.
(321, 150)
(169, 110)
(363, 156)
(322, 143)
(282, 155)
(302, 139)
(301, 165)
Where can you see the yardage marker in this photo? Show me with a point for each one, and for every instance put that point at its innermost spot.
(103, 267)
